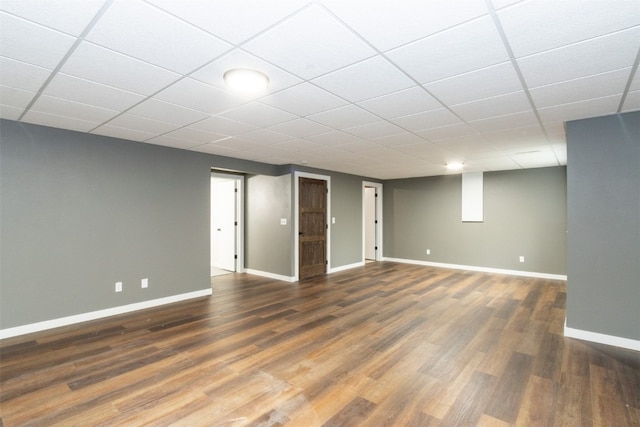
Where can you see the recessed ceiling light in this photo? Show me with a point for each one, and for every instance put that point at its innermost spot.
(246, 80)
(454, 166)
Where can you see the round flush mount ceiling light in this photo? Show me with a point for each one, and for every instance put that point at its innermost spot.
(246, 80)
(455, 166)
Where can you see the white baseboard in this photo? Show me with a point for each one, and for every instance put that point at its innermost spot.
(99, 314)
(270, 275)
(346, 267)
(601, 338)
(482, 269)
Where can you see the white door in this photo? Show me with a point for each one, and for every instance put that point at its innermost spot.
(370, 223)
(223, 223)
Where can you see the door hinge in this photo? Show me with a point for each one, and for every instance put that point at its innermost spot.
(235, 257)
(235, 190)
(376, 194)
(376, 248)
(376, 221)
(236, 223)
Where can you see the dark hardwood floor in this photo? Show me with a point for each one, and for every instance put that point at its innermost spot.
(384, 344)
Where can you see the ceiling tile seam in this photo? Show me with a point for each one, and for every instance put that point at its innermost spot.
(256, 35)
(574, 43)
(632, 74)
(103, 9)
(401, 70)
(398, 68)
(516, 66)
(206, 64)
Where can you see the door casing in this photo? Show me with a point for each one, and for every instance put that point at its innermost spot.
(296, 209)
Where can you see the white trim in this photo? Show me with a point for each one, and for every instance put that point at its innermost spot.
(296, 226)
(239, 238)
(99, 314)
(346, 267)
(601, 338)
(378, 187)
(270, 275)
(482, 269)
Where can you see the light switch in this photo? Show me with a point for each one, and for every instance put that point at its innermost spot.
(283, 221)
(333, 220)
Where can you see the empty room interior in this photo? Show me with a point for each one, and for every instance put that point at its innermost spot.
(320, 213)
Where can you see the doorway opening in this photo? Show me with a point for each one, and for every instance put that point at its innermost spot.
(311, 231)
(227, 213)
(371, 221)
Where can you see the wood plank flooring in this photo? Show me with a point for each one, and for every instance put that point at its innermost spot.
(382, 345)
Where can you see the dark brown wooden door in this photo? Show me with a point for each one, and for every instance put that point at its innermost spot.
(312, 227)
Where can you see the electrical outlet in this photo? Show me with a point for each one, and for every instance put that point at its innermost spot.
(118, 286)
(521, 258)
(428, 251)
(144, 283)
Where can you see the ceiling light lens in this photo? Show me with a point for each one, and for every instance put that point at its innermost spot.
(455, 166)
(246, 80)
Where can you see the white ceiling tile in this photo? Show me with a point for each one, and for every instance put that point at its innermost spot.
(223, 126)
(595, 56)
(32, 43)
(91, 93)
(213, 73)
(465, 48)
(367, 79)
(91, 62)
(321, 44)
(70, 16)
(535, 159)
(344, 117)
(300, 128)
(528, 135)
(508, 121)
(499, 4)
(584, 109)
(428, 120)
(635, 83)
(304, 99)
(71, 109)
(186, 138)
(258, 115)
(375, 130)
(122, 133)
(56, 121)
(237, 143)
(444, 132)
(231, 20)
(10, 112)
(333, 138)
(166, 141)
(499, 164)
(632, 102)
(428, 151)
(491, 107)
(399, 140)
(540, 25)
(464, 146)
(17, 98)
(360, 146)
(484, 83)
(144, 32)
(200, 96)
(390, 24)
(143, 124)
(401, 103)
(595, 86)
(297, 146)
(166, 112)
(21, 75)
(265, 137)
(217, 149)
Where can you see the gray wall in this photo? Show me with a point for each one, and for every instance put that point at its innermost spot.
(603, 286)
(268, 245)
(79, 212)
(524, 214)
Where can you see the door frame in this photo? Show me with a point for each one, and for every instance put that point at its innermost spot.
(239, 214)
(296, 219)
(378, 187)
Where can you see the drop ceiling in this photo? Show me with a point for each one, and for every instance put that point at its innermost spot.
(383, 89)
